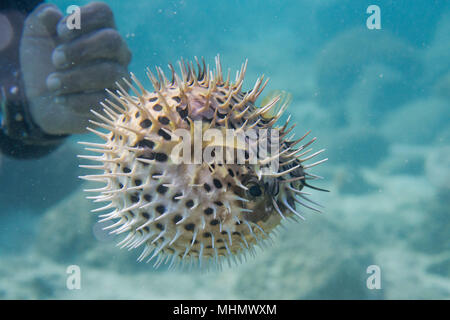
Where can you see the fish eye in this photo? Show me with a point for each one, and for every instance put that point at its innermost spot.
(254, 190)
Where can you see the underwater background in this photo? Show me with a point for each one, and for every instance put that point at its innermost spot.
(377, 99)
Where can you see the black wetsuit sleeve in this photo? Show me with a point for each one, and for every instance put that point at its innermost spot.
(18, 149)
(25, 6)
(19, 136)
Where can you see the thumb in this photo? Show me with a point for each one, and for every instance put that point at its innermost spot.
(36, 46)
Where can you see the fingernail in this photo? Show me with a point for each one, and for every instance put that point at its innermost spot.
(58, 57)
(41, 15)
(53, 82)
(44, 13)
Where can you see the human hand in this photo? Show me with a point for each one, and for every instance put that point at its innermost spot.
(65, 71)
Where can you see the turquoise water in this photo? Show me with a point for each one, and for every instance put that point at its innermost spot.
(378, 100)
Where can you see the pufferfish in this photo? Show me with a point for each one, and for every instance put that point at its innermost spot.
(206, 212)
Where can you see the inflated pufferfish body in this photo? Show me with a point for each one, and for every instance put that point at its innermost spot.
(204, 211)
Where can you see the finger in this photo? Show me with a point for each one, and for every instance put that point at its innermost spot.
(102, 44)
(86, 78)
(81, 104)
(42, 21)
(93, 16)
(37, 44)
(50, 16)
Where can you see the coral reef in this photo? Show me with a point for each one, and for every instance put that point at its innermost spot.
(316, 261)
(418, 122)
(377, 68)
(65, 234)
(437, 169)
(69, 234)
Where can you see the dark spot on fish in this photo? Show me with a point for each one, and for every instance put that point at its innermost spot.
(164, 120)
(161, 157)
(190, 203)
(134, 198)
(161, 189)
(182, 112)
(217, 183)
(255, 191)
(177, 218)
(164, 134)
(145, 123)
(160, 209)
(145, 144)
(174, 198)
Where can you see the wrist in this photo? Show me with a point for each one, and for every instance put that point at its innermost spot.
(17, 122)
